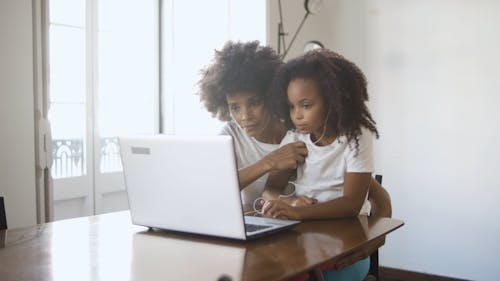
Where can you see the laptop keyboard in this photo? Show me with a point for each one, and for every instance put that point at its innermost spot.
(254, 227)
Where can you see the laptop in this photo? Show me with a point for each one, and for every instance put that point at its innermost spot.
(189, 184)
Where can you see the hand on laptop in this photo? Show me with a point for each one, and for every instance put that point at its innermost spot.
(285, 208)
(299, 201)
(279, 209)
(302, 201)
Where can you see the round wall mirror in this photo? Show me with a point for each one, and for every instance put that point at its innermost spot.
(312, 6)
(312, 45)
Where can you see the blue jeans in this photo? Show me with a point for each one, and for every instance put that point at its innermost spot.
(355, 272)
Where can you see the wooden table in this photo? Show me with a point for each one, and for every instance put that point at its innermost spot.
(109, 247)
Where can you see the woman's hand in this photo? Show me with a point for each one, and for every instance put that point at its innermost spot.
(284, 159)
(287, 157)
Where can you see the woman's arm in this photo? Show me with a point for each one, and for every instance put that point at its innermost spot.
(276, 183)
(349, 205)
(277, 189)
(285, 158)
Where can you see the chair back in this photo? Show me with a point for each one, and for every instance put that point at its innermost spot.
(373, 272)
(3, 217)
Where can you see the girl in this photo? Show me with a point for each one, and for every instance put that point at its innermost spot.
(323, 96)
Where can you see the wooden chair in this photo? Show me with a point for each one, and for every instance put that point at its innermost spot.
(3, 217)
(386, 211)
(3, 223)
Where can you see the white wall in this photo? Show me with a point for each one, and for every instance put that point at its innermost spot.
(435, 77)
(17, 156)
(433, 69)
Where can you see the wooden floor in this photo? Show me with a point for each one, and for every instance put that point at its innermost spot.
(393, 274)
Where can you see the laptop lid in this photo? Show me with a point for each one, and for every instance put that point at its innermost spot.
(187, 184)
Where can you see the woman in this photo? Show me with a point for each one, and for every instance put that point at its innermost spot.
(234, 89)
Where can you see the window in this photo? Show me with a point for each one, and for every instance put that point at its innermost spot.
(104, 69)
(192, 30)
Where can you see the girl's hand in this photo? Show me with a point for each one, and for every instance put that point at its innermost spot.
(279, 209)
(299, 201)
(302, 201)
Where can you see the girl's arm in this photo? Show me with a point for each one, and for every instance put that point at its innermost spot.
(349, 205)
(284, 158)
(380, 200)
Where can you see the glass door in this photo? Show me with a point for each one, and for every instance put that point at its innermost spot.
(103, 67)
(69, 110)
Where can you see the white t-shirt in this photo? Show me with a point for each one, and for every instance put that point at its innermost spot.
(322, 174)
(248, 151)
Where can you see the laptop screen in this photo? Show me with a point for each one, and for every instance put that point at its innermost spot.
(183, 183)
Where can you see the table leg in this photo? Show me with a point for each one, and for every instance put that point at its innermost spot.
(316, 275)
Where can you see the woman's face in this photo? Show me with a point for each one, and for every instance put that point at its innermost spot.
(249, 111)
(307, 107)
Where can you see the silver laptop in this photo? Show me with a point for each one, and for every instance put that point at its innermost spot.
(189, 184)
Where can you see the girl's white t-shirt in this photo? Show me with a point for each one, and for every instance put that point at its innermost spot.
(322, 174)
(248, 151)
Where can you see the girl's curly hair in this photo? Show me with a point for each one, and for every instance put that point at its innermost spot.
(341, 84)
(238, 67)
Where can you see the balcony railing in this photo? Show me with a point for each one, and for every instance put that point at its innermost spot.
(110, 155)
(68, 157)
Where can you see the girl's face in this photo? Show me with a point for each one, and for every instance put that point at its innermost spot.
(307, 107)
(249, 111)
